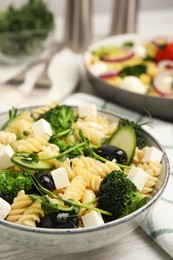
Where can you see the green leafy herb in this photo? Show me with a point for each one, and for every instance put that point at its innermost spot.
(135, 70)
(12, 115)
(128, 44)
(82, 147)
(32, 15)
(74, 206)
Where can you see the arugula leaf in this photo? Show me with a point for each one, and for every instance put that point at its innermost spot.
(12, 113)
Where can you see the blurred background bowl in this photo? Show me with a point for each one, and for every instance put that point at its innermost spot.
(157, 106)
(24, 46)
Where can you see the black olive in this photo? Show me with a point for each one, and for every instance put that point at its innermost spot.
(46, 180)
(111, 152)
(59, 220)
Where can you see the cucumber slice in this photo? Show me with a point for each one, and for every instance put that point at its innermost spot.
(125, 139)
(41, 165)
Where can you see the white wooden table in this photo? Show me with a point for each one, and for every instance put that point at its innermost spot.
(134, 247)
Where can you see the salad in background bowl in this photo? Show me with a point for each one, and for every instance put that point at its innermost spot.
(25, 32)
(75, 174)
(135, 71)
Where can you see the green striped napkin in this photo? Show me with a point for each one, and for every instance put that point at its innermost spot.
(159, 225)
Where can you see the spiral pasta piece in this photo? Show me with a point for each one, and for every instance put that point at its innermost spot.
(49, 151)
(87, 197)
(93, 181)
(20, 204)
(21, 123)
(96, 167)
(67, 165)
(108, 128)
(7, 137)
(152, 168)
(92, 134)
(31, 144)
(41, 110)
(76, 189)
(32, 215)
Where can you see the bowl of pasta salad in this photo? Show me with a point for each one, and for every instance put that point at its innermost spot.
(73, 179)
(134, 71)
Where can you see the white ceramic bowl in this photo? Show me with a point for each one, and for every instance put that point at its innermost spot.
(158, 106)
(63, 241)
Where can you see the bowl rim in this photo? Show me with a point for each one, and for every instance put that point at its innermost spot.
(105, 225)
(122, 37)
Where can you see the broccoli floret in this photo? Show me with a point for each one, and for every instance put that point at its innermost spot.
(119, 195)
(60, 117)
(140, 136)
(11, 185)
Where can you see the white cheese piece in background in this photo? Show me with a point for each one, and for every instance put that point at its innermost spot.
(98, 68)
(6, 153)
(92, 219)
(138, 176)
(140, 50)
(133, 84)
(5, 208)
(152, 154)
(87, 110)
(60, 178)
(41, 127)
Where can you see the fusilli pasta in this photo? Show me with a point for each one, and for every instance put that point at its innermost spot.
(20, 204)
(7, 137)
(32, 215)
(41, 110)
(31, 144)
(21, 123)
(76, 189)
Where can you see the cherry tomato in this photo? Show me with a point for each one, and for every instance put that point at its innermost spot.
(169, 51)
(165, 53)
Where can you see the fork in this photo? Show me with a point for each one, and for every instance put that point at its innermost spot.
(36, 70)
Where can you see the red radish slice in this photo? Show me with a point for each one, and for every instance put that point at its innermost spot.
(109, 74)
(163, 83)
(126, 57)
(165, 64)
(159, 41)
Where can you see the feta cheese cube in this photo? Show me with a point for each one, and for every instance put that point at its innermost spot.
(138, 176)
(92, 219)
(140, 50)
(41, 127)
(60, 178)
(99, 68)
(87, 110)
(133, 84)
(152, 154)
(6, 153)
(5, 208)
